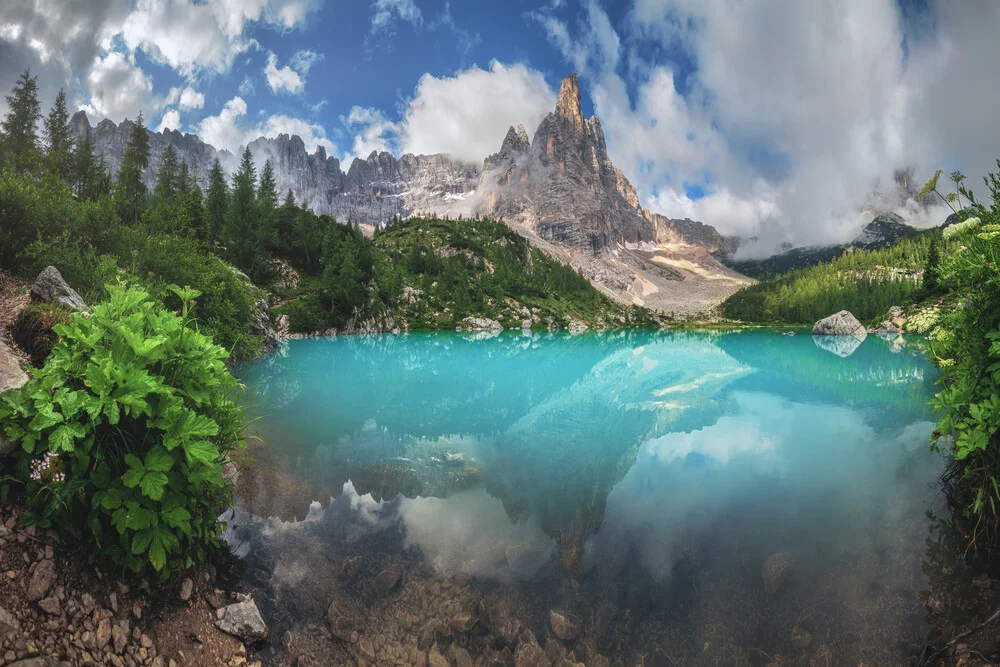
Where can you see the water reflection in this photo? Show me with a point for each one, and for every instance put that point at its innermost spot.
(658, 471)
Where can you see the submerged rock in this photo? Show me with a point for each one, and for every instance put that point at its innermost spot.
(775, 571)
(50, 287)
(386, 581)
(343, 619)
(564, 625)
(242, 620)
(840, 324)
(842, 346)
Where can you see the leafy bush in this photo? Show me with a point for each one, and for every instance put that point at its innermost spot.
(125, 431)
(965, 342)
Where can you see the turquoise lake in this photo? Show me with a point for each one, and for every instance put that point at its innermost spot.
(637, 480)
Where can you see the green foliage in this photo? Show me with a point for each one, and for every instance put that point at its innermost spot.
(130, 190)
(965, 341)
(932, 267)
(125, 430)
(59, 138)
(865, 283)
(20, 127)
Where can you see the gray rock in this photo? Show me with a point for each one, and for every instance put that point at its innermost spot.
(41, 580)
(9, 621)
(50, 605)
(119, 637)
(386, 581)
(480, 324)
(564, 625)
(50, 287)
(775, 571)
(44, 661)
(243, 621)
(11, 377)
(842, 346)
(840, 324)
(343, 618)
(187, 586)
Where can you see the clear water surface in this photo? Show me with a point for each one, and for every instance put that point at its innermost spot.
(637, 480)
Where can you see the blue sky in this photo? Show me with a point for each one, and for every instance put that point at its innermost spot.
(780, 118)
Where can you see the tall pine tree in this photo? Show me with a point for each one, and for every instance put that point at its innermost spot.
(59, 137)
(130, 190)
(242, 219)
(20, 127)
(267, 203)
(216, 201)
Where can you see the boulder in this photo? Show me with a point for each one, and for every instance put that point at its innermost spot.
(50, 287)
(842, 346)
(386, 581)
(343, 619)
(286, 278)
(243, 621)
(11, 377)
(840, 324)
(480, 324)
(564, 625)
(775, 571)
(41, 579)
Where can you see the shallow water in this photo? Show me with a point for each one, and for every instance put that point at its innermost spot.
(638, 481)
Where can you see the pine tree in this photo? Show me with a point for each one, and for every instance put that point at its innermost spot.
(932, 267)
(83, 167)
(60, 138)
(20, 127)
(217, 201)
(267, 202)
(130, 193)
(242, 220)
(193, 210)
(167, 176)
(184, 178)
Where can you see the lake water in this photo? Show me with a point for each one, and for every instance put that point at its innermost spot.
(651, 487)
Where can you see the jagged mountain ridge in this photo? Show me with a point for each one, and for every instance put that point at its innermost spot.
(559, 188)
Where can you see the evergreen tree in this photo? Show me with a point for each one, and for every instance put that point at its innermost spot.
(932, 267)
(184, 178)
(20, 127)
(193, 210)
(242, 220)
(60, 138)
(217, 201)
(267, 202)
(167, 176)
(84, 164)
(130, 193)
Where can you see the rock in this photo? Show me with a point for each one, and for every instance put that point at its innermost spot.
(480, 324)
(461, 657)
(801, 638)
(44, 661)
(350, 569)
(343, 619)
(243, 621)
(119, 637)
(530, 654)
(8, 621)
(286, 278)
(463, 622)
(435, 659)
(366, 649)
(187, 586)
(823, 657)
(842, 346)
(41, 580)
(50, 605)
(428, 634)
(386, 581)
(103, 634)
(12, 376)
(50, 287)
(564, 625)
(502, 623)
(775, 571)
(840, 324)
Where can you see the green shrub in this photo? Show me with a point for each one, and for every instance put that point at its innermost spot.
(125, 431)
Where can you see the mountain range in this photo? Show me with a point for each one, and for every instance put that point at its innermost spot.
(559, 188)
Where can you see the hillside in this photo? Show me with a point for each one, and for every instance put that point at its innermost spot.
(428, 273)
(882, 232)
(866, 282)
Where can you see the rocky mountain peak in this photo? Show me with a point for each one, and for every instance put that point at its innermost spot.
(568, 105)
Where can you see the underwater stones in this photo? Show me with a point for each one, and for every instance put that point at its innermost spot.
(501, 622)
(842, 346)
(530, 654)
(343, 619)
(463, 621)
(775, 571)
(435, 659)
(243, 621)
(350, 569)
(840, 324)
(571, 551)
(366, 650)
(386, 581)
(564, 625)
(801, 638)
(429, 633)
(823, 657)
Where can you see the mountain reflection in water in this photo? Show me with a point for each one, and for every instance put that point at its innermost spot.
(639, 479)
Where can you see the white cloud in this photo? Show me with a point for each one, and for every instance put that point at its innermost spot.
(118, 88)
(386, 12)
(228, 129)
(302, 61)
(171, 121)
(246, 88)
(284, 79)
(373, 132)
(191, 99)
(467, 115)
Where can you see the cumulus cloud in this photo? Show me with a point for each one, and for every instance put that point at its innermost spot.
(284, 79)
(229, 129)
(467, 115)
(372, 130)
(171, 121)
(788, 137)
(120, 89)
(302, 61)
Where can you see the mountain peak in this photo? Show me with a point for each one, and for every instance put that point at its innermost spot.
(568, 105)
